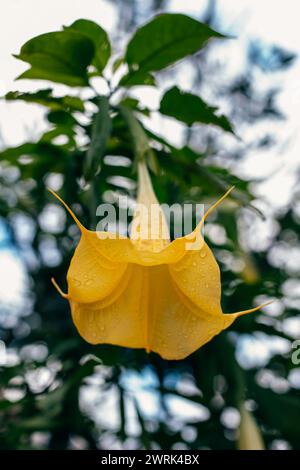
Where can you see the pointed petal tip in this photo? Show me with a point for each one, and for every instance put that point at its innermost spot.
(214, 206)
(268, 303)
(225, 195)
(254, 309)
(51, 191)
(78, 223)
(63, 294)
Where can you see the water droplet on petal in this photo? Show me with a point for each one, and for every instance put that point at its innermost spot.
(202, 254)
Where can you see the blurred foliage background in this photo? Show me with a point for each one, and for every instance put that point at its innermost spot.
(56, 391)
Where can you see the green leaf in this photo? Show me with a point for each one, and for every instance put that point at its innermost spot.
(6, 404)
(61, 57)
(117, 63)
(57, 131)
(51, 403)
(279, 412)
(101, 131)
(62, 118)
(133, 103)
(164, 40)
(191, 109)
(39, 422)
(44, 152)
(99, 38)
(45, 98)
(136, 79)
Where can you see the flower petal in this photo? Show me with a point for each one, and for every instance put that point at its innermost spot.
(91, 275)
(150, 231)
(147, 310)
(119, 318)
(197, 275)
(177, 327)
(229, 318)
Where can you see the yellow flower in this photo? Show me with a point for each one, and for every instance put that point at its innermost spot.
(145, 291)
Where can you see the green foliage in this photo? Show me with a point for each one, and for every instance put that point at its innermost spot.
(137, 78)
(61, 57)
(100, 40)
(100, 134)
(280, 411)
(165, 40)
(103, 138)
(191, 109)
(45, 98)
(162, 42)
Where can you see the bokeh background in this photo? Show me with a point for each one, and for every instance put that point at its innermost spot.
(58, 392)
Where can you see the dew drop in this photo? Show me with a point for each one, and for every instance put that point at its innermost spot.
(202, 254)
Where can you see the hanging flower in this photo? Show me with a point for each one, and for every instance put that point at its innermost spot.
(145, 291)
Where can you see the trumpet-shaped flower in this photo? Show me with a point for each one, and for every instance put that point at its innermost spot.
(145, 291)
